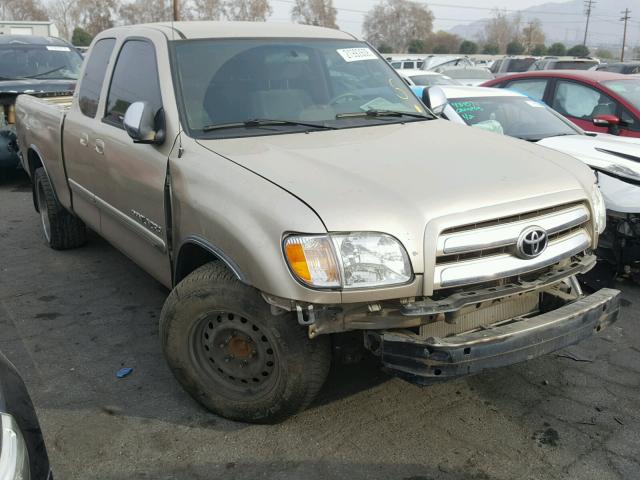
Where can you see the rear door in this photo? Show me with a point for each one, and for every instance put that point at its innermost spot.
(132, 192)
(84, 167)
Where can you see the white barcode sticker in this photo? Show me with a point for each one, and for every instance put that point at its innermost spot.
(55, 48)
(356, 54)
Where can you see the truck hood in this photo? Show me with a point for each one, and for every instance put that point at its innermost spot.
(619, 156)
(396, 178)
(36, 85)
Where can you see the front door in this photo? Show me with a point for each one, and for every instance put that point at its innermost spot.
(131, 197)
(581, 103)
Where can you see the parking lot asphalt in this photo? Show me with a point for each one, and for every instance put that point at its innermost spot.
(69, 320)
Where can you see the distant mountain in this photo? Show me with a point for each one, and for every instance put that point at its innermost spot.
(565, 22)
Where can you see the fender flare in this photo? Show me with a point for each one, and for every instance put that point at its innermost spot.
(213, 251)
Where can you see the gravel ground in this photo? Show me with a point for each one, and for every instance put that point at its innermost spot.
(69, 320)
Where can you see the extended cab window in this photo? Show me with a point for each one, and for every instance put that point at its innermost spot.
(93, 77)
(135, 79)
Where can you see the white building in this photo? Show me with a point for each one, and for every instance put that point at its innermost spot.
(45, 29)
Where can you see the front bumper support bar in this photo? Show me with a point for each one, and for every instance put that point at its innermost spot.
(424, 361)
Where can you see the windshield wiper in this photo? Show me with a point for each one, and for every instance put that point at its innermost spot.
(45, 73)
(534, 139)
(263, 122)
(372, 113)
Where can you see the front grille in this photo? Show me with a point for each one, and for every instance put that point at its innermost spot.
(486, 251)
(511, 218)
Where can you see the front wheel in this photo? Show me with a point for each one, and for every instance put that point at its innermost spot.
(233, 356)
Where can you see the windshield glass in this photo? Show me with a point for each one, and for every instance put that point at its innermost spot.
(572, 65)
(430, 80)
(223, 82)
(515, 65)
(627, 89)
(18, 61)
(518, 117)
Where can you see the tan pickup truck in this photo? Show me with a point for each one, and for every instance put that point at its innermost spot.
(276, 178)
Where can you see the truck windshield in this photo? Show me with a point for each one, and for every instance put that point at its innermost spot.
(518, 117)
(234, 82)
(20, 61)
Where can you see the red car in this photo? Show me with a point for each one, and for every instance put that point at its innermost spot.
(601, 102)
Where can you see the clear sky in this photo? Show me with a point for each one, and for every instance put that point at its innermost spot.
(446, 16)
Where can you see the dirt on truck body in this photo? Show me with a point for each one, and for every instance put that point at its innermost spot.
(275, 178)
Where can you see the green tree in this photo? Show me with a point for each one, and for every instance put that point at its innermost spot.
(539, 50)
(604, 53)
(384, 48)
(81, 37)
(515, 48)
(557, 49)
(468, 47)
(416, 46)
(443, 42)
(578, 51)
(491, 49)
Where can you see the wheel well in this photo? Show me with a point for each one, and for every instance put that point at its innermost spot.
(34, 162)
(193, 255)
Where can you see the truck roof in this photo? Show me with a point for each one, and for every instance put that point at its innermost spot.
(212, 29)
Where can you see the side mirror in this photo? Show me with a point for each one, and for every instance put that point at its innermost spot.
(143, 125)
(611, 122)
(435, 99)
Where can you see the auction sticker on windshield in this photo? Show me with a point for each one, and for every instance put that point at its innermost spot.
(356, 54)
(58, 49)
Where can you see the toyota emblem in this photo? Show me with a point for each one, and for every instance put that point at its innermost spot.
(532, 242)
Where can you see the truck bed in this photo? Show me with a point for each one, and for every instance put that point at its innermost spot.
(39, 121)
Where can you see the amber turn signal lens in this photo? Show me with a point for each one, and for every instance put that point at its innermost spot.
(312, 260)
(297, 261)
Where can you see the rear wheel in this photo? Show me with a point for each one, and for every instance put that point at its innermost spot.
(61, 230)
(233, 356)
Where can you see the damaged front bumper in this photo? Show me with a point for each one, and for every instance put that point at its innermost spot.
(424, 361)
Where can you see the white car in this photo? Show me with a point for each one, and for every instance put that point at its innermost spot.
(615, 159)
(426, 78)
(408, 64)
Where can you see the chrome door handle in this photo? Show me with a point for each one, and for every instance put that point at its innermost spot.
(84, 139)
(99, 146)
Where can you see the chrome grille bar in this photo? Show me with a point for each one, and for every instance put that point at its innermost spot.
(506, 234)
(485, 269)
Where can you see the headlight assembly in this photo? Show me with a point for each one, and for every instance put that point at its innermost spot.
(599, 209)
(348, 260)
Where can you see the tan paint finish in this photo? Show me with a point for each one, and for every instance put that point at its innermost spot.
(241, 196)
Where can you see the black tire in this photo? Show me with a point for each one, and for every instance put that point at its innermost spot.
(61, 229)
(267, 370)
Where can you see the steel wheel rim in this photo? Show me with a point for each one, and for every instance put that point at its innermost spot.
(234, 353)
(44, 212)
